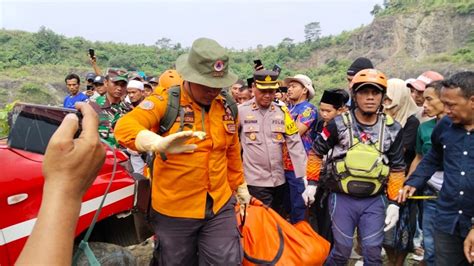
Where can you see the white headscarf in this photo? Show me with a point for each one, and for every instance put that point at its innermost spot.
(403, 105)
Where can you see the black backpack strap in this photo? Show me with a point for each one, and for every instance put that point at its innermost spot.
(172, 110)
(230, 103)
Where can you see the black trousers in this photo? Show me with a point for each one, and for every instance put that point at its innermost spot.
(277, 198)
(449, 249)
(214, 240)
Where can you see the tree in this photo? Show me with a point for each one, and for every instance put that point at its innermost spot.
(287, 42)
(377, 8)
(312, 31)
(164, 43)
(49, 43)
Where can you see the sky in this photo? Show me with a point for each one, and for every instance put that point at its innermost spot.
(234, 24)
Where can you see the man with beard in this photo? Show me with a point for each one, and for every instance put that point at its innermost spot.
(135, 92)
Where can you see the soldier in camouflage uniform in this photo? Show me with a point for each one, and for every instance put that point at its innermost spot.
(111, 105)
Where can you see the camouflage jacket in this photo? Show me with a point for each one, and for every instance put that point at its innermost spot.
(108, 117)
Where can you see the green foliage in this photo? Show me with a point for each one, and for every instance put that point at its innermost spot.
(464, 55)
(33, 93)
(329, 76)
(392, 7)
(4, 119)
(465, 8)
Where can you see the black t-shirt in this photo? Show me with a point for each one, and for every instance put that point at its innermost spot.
(409, 139)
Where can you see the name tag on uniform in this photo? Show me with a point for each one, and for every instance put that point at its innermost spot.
(230, 127)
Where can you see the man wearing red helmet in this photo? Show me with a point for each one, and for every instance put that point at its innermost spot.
(366, 161)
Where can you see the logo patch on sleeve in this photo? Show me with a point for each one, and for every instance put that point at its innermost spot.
(146, 105)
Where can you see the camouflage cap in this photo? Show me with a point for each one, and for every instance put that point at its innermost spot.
(117, 74)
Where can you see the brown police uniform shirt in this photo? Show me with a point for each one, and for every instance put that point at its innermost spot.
(262, 135)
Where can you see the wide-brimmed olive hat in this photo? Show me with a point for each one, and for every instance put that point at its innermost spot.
(206, 64)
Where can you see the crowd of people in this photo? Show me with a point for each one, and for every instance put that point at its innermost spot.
(378, 164)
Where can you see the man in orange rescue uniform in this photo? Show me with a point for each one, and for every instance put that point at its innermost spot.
(195, 174)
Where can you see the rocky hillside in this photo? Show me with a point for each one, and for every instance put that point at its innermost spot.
(403, 40)
(405, 44)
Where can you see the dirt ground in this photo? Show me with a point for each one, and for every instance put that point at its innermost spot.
(143, 253)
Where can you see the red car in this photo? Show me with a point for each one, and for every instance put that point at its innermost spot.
(21, 183)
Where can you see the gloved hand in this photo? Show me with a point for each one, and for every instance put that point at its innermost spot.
(308, 193)
(243, 194)
(391, 217)
(173, 143)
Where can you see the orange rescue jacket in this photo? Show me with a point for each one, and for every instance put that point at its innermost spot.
(180, 183)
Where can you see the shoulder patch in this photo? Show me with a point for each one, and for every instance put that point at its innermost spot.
(146, 105)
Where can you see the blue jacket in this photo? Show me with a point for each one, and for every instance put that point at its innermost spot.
(453, 151)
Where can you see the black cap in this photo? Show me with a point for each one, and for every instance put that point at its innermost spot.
(90, 76)
(266, 79)
(358, 65)
(99, 80)
(333, 98)
(250, 82)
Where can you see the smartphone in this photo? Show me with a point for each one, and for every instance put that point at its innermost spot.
(91, 53)
(283, 89)
(277, 68)
(89, 87)
(32, 125)
(257, 64)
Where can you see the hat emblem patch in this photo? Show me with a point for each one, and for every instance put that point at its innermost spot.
(219, 65)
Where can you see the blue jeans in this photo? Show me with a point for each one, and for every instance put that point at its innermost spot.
(296, 188)
(429, 216)
(347, 213)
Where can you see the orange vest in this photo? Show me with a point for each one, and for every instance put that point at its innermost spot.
(180, 183)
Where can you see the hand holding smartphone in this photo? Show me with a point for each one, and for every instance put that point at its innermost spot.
(91, 53)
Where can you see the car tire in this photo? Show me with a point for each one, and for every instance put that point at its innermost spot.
(107, 255)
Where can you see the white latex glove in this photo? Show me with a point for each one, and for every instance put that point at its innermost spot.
(308, 194)
(243, 194)
(173, 143)
(391, 217)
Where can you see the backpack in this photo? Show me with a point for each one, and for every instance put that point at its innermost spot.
(363, 171)
(173, 109)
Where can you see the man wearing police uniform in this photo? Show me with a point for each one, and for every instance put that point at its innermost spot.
(265, 127)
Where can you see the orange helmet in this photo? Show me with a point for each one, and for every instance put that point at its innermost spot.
(170, 78)
(369, 76)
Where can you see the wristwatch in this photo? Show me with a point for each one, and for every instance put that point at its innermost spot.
(472, 223)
